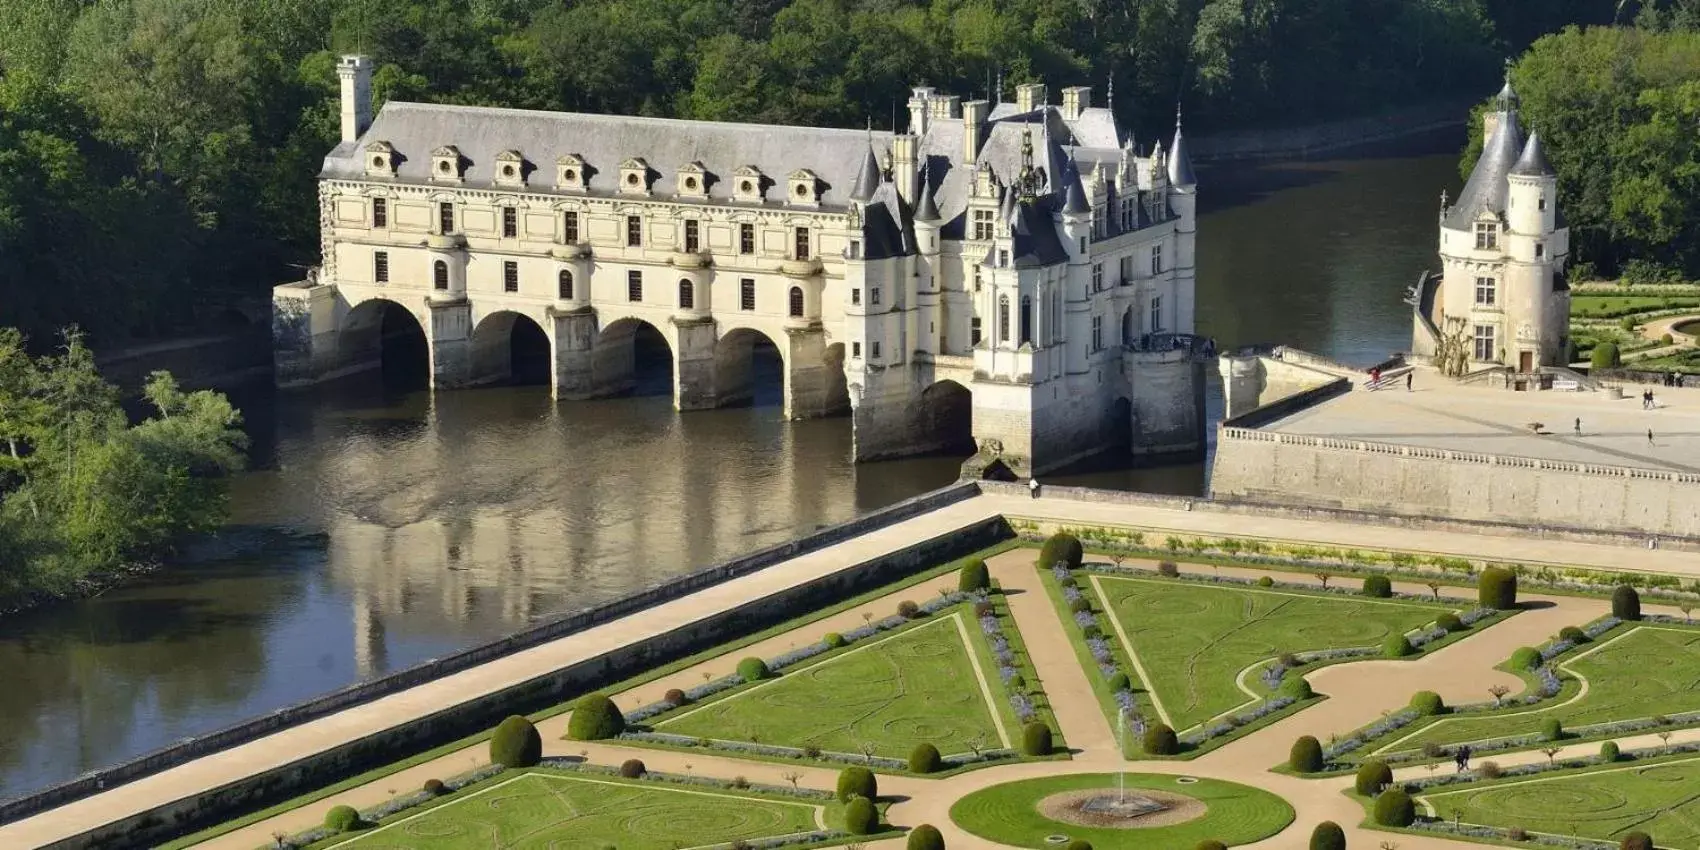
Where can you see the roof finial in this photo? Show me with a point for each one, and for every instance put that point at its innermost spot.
(999, 98)
(1178, 115)
(1110, 92)
(1443, 199)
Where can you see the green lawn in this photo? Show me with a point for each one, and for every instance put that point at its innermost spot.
(546, 811)
(1613, 306)
(1194, 640)
(918, 686)
(1237, 814)
(1634, 674)
(1662, 800)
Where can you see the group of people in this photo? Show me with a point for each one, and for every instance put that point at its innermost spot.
(1461, 758)
(1647, 400)
(1375, 379)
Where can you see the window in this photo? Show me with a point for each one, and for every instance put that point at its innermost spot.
(1099, 221)
(874, 350)
(1484, 342)
(565, 289)
(1487, 236)
(634, 286)
(1003, 258)
(802, 243)
(1542, 204)
(1129, 214)
(380, 212)
(855, 249)
(855, 349)
(855, 295)
(510, 222)
(1097, 277)
(796, 304)
(510, 276)
(440, 275)
(1126, 270)
(1097, 333)
(1003, 318)
(746, 239)
(1026, 319)
(381, 266)
(976, 278)
(1540, 250)
(1485, 295)
(691, 243)
(974, 331)
(634, 231)
(1156, 314)
(1156, 259)
(569, 227)
(446, 217)
(874, 296)
(746, 294)
(983, 224)
(687, 295)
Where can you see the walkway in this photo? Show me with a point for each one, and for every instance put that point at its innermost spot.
(1359, 691)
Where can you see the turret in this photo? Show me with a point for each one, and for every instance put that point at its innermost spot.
(1533, 207)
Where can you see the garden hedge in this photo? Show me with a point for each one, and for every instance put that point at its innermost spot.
(1380, 587)
(1035, 739)
(1428, 703)
(1306, 755)
(857, 782)
(1328, 836)
(1160, 740)
(924, 759)
(1572, 634)
(342, 819)
(515, 743)
(1394, 808)
(974, 576)
(1061, 548)
(753, 669)
(925, 837)
(595, 718)
(1625, 603)
(860, 816)
(1373, 776)
(1496, 588)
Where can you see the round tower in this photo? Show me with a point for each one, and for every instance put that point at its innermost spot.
(1183, 199)
(1538, 304)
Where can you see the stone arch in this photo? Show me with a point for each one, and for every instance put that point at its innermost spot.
(837, 383)
(944, 418)
(382, 334)
(510, 347)
(1130, 327)
(632, 355)
(1118, 429)
(749, 365)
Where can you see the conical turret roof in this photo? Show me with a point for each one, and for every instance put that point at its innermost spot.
(1074, 202)
(867, 179)
(1487, 189)
(1533, 162)
(925, 209)
(1180, 164)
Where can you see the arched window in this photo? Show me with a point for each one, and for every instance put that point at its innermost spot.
(1003, 318)
(797, 302)
(1026, 319)
(566, 285)
(687, 295)
(440, 275)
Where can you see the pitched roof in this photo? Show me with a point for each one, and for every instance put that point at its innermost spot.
(1036, 242)
(1533, 162)
(1487, 189)
(887, 229)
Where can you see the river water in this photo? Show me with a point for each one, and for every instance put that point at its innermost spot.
(381, 528)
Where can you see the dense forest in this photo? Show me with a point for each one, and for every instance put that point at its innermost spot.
(158, 155)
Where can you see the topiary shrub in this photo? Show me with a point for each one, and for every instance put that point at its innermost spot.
(1572, 634)
(1449, 622)
(1394, 808)
(1080, 606)
(908, 610)
(925, 837)
(1265, 581)
(632, 768)
(1525, 658)
(1168, 569)
(834, 640)
(1636, 841)
(515, 743)
(595, 718)
(1328, 836)
(1067, 581)
(435, 787)
(1552, 729)
(1609, 751)
(1428, 703)
(1035, 739)
(1489, 770)
(1625, 603)
(1373, 776)
(857, 782)
(1160, 740)
(1120, 682)
(1397, 646)
(342, 819)
(1306, 755)
(1496, 588)
(753, 669)
(1210, 844)
(1517, 833)
(1091, 632)
(1016, 683)
(860, 816)
(1062, 549)
(924, 759)
(1380, 587)
(1296, 687)
(1080, 844)
(1605, 355)
(974, 576)
(674, 697)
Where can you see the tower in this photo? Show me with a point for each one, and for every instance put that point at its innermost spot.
(1183, 200)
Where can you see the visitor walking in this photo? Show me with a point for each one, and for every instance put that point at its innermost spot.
(1578, 426)
(1375, 378)
(1033, 487)
(1464, 758)
(1408, 381)
(1649, 436)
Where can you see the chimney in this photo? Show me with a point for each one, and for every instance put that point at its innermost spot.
(903, 168)
(1075, 101)
(918, 109)
(355, 72)
(1029, 96)
(947, 106)
(974, 114)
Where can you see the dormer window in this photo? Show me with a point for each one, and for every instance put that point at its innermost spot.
(510, 168)
(569, 172)
(746, 184)
(447, 165)
(693, 180)
(1487, 236)
(634, 177)
(804, 188)
(380, 159)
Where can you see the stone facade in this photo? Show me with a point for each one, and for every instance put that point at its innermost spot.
(1022, 267)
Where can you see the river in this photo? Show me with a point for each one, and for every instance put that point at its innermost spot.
(379, 529)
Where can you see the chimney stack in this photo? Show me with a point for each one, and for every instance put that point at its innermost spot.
(1075, 101)
(919, 110)
(355, 73)
(1029, 96)
(947, 106)
(903, 167)
(974, 114)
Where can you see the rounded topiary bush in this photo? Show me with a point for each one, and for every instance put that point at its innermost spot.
(1160, 740)
(674, 697)
(1265, 581)
(1397, 646)
(1306, 755)
(1168, 569)
(834, 640)
(1636, 841)
(857, 782)
(1525, 658)
(908, 610)
(1428, 703)
(1328, 836)
(595, 718)
(753, 669)
(1605, 356)
(1210, 844)
(1572, 634)
(1496, 588)
(1035, 739)
(1080, 606)
(1080, 844)
(925, 837)
(1552, 729)
(1380, 587)
(435, 787)
(516, 743)
(1061, 549)
(1625, 603)
(632, 768)
(1449, 622)
(1373, 776)
(1296, 687)
(1091, 632)
(1609, 751)
(860, 816)
(1394, 808)
(1120, 682)
(924, 759)
(342, 819)
(974, 576)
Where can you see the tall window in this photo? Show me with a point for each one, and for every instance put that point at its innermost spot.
(380, 212)
(1003, 318)
(1100, 221)
(1097, 277)
(687, 295)
(976, 278)
(1156, 314)
(569, 227)
(974, 331)
(381, 266)
(445, 217)
(855, 295)
(1485, 294)
(565, 286)
(691, 245)
(1127, 271)
(855, 349)
(746, 294)
(1003, 258)
(1026, 319)
(796, 302)
(983, 224)
(746, 239)
(1097, 333)
(1542, 204)
(1487, 236)
(1540, 250)
(855, 249)
(1129, 213)
(634, 230)
(802, 239)
(510, 276)
(874, 351)
(1157, 259)
(634, 285)
(873, 296)
(440, 275)
(1484, 342)
(510, 222)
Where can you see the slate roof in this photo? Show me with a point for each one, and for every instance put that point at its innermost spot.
(887, 228)
(1533, 162)
(1096, 126)
(1180, 164)
(1075, 199)
(925, 209)
(1487, 188)
(1035, 239)
(867, 178)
